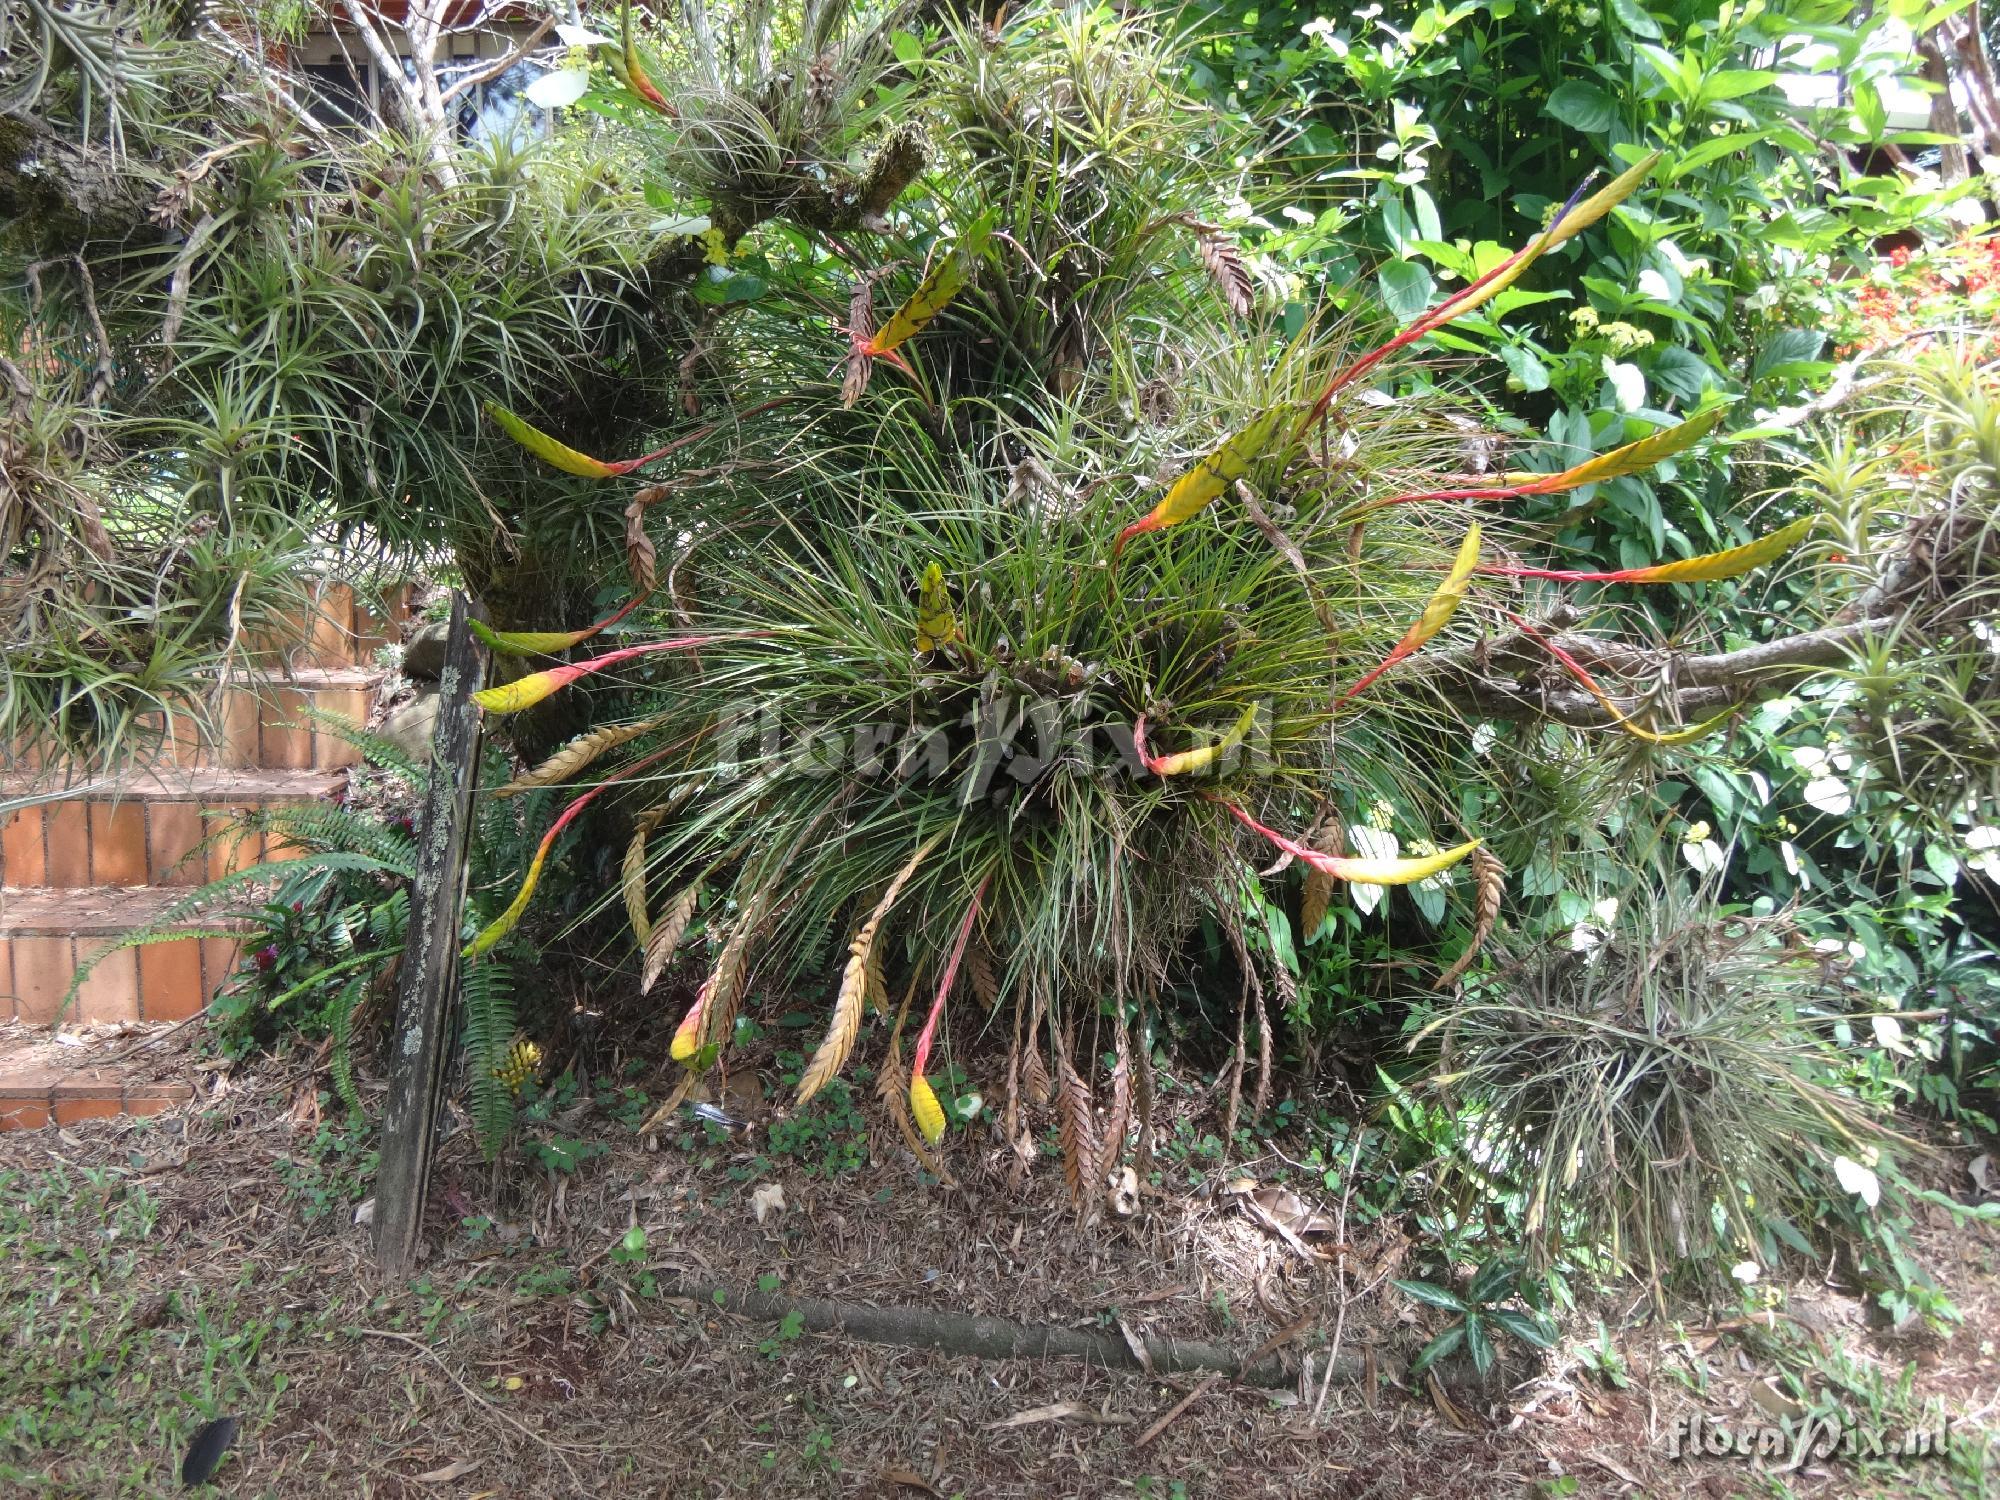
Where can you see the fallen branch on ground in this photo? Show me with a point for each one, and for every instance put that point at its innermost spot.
(1001, 1338)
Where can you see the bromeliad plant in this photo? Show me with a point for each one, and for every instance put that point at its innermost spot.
(944, 707)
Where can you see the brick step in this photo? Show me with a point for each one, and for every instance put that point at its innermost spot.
(140, 829)
(87, 1074)
(47, 934)
(337, 631)
(263, 725)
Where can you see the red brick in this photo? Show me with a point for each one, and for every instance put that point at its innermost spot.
(242, 714)
(331, 644)
(24, 1114)
(190, 746)
(174, 828)
(28, 1083)
(118, 843)
(218, 962)
(6, 979)
(42, 970)
(21, 860)
(99, 1106)
(235, 848)
(170, 987)
(68, 843)
(330, 750)
(111, 992)
(288, 737)
(153, 1098)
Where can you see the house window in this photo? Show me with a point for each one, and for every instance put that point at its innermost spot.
(346, 89)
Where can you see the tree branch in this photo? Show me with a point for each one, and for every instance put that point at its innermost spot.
(1509, 678)
(487, 74)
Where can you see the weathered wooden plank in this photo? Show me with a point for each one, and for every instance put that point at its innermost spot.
(428, 983)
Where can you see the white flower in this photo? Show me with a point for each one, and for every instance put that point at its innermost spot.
(1858, 1180)
(1984, 844)
(1746, 1271)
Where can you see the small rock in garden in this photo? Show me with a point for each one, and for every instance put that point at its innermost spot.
(411, 726)
(423, 654)
(1123, 1194)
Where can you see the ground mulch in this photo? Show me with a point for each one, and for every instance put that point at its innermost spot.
(525, 1359)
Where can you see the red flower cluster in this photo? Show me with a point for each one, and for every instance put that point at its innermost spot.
(1948, 290)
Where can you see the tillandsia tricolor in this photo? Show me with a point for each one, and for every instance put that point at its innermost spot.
(1355, 871)
(1190, 494)
(1256, 440)
(923, 1100)
(1443, 603)
(632, 73)
(946, 278)
(526, 692)
(1710, 567)
(937, 626)
(1572, 219)
(570, 461)
(1191, 760)
(1618, 717)
(548, 642)
(1631, 459)
(505, 923)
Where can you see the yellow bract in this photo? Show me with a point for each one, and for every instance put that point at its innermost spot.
(937, 627)
(1201, 484)
(1578, 219)
(528, 642)
(1630, 459)
(1195, 760)
(1401, 871)
(547, 448)
(503, 924)
(1449, 595)
(924, 1105)
(1714, 566)
(523, 692)
(947, 278)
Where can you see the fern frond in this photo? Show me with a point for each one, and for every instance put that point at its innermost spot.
(321, 825)
(170, 924)
(340, 1026)
(486, 997)
(384, 754)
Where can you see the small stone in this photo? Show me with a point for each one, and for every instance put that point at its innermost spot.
(411, 726)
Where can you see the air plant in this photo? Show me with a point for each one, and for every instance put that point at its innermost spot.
(958, 719)
(1652, 1089)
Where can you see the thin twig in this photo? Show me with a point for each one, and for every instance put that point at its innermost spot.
(1288, 550)
(478, 1400)
(487, 74)
(1276, 1341)
(1339, 1278)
